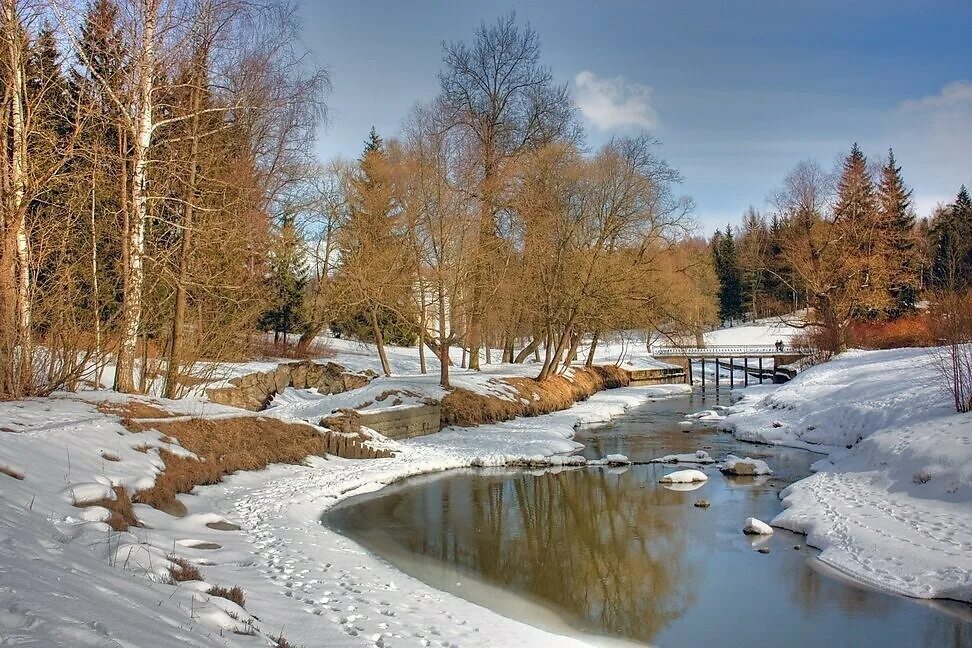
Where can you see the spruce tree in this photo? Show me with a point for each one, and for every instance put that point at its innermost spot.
(897, 221)
(856, 215)
(726, 260)
(951, 235)
(286, 283)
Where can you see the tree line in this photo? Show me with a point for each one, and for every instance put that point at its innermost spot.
(847, 245)
(150, 148)
(486, 224)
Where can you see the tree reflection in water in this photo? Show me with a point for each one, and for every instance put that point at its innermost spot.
(600, 546)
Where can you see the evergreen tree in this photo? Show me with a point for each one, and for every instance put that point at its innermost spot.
(897, 222)
(951, 235)
(726, 261)
(856, 215)
(286, 283)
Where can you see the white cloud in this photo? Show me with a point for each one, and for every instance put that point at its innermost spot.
(932, 139)
(956, 95)
(614, 103)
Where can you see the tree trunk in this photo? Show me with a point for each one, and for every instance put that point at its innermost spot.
(132, 299)
(572, 351)
(527, 350)
(95, 303)
(444, 359)
(185, 244)
(18, 181)
(593, 349)
(379, 342)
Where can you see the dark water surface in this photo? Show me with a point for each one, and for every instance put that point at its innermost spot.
(612, 553)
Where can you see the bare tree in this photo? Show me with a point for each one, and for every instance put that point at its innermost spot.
(506, 103)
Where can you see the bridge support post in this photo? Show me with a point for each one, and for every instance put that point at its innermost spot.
(745, 372)
(703, 374)
(691, 378)
(732, 372)
(717, 373)
(761, 370)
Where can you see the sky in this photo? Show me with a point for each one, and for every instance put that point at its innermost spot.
(737, 92)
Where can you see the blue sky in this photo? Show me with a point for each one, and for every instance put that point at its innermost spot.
(738, 92)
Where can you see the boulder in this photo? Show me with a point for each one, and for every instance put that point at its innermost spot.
(754, 526)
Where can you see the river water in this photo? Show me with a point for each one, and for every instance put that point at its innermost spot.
(612, 555)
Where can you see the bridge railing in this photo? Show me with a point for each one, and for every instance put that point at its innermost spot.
(740, 350)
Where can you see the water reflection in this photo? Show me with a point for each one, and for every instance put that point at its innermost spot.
(612, 552)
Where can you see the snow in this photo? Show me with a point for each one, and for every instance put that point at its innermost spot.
(697, 457)
(259, 530)
(734, 465)
(754, 526)
(689, 476)
(891, 503)
(764, 332)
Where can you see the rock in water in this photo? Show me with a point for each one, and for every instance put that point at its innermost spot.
(684, 477)
(757, 527)
(702, 503)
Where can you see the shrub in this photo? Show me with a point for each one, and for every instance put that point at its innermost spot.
(906, 331)
(235, 593)
(186, 570)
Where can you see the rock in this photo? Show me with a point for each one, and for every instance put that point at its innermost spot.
(734, 465)
(684, 477)
(754, 526)
(702, 503)
(797, 547)
(763, 550)
(617, 460)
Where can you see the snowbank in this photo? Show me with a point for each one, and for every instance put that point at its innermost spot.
(733, 465)
(892, 503)
(754, 526)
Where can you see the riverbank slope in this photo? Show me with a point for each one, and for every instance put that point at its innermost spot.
(891, 504)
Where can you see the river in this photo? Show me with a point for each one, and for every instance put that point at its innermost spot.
(612, 555)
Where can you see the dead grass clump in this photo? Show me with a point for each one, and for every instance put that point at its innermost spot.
(133, 409)
(463, 407)
(186, 572)
(534, 398)
(225, 446)
(122, 513)
(280, 642)
(235, 593)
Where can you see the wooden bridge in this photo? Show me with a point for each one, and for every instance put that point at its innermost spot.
(730, 356)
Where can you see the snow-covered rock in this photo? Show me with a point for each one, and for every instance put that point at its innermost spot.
(697, 457)
(733, 465)
(755, 526)
(689, 476)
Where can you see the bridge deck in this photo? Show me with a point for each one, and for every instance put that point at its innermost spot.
(736, 351)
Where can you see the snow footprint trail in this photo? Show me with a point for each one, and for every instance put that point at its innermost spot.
(355, 598)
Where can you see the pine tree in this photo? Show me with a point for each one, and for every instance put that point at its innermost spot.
(897, 222)
(286, 283)
(856, 215)
(951, 235)
(726, 260)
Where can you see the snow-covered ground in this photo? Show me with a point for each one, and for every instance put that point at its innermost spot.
(68, 579)
(891, 505)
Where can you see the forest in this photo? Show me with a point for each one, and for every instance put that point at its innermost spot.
(164, 210)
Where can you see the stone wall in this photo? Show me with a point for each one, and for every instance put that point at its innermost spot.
(255, 391)
(674, 375)
(395, 423)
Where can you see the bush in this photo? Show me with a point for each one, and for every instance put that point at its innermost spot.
(234, 593)
(906, 331)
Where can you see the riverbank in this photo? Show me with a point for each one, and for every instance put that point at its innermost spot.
(891, 504)
(63, 457)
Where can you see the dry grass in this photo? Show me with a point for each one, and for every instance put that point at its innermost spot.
(235, 593)
(224, 446)
(280, 642)
(133, 409)
(186, 572)
(463, 407)
(122, 514)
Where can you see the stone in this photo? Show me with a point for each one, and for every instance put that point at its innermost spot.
(702, 503)
(763, 550)
(755, 526)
